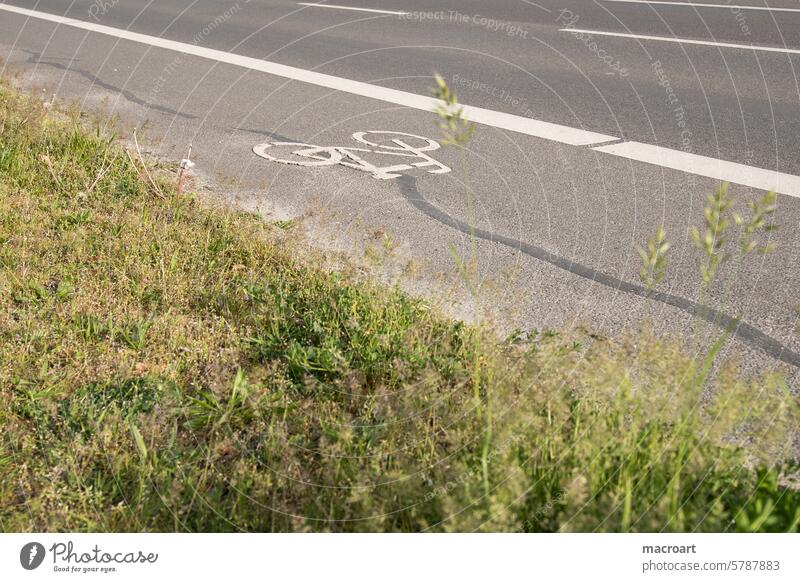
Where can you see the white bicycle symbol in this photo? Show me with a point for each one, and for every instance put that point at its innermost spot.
(317, 156)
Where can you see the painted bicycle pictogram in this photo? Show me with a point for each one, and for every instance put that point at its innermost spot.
(312, 156)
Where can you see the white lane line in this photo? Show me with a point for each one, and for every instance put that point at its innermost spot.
(336, 6)
(704, 166)
(543, 129)
(772, 49)
(703, 5)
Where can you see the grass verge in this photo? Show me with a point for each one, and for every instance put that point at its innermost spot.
(165, 366)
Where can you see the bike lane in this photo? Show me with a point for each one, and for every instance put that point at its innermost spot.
(575, 204)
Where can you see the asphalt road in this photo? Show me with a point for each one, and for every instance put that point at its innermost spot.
(558, 219)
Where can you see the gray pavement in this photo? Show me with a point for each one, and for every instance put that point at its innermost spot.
(558, 225)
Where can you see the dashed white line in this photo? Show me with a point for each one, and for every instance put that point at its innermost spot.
(753, 47)
(704, 5)
(705, 166)
(337, 7)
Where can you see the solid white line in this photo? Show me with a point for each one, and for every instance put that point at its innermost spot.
(703, 5)
(543, 129)
(753, 47)
(709, 167)
(353, 8)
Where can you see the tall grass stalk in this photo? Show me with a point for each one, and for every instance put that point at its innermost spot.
(457, 132)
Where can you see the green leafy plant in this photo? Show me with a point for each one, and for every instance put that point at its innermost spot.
(760, 212)
(719, 216)
(712, 237)
(456, 130)
(654, 259)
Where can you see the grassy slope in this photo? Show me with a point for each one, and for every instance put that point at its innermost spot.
(169, 367)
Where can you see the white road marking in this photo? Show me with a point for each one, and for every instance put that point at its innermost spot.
(353, 8)
(772, 49)
(722, 170)
(543, 129)
(313, 156)
(704, 166)
(703, 5)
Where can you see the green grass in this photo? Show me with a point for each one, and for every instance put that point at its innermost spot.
(165, 366)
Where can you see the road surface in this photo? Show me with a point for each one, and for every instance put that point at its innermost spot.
(597, 121)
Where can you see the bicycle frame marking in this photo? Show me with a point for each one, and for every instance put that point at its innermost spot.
(319, 156)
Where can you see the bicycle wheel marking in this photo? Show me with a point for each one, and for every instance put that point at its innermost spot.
(312, 156)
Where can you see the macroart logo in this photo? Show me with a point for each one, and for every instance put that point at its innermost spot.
(31, 555)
